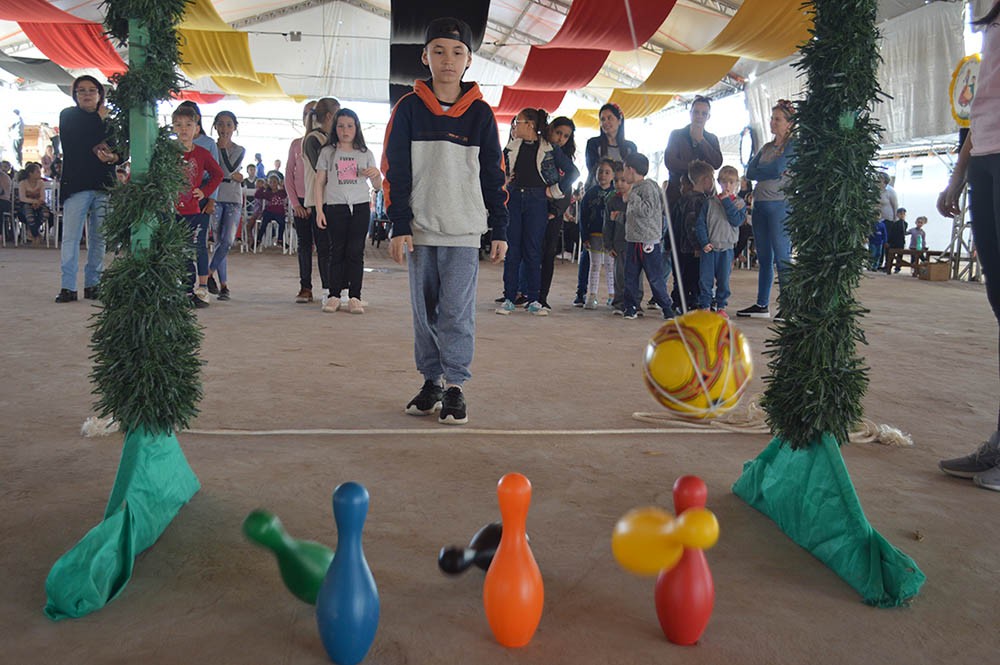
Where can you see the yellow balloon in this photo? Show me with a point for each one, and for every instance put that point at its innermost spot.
(695, 527)
(640, 543)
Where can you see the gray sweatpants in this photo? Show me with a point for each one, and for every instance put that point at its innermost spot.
(443, 296)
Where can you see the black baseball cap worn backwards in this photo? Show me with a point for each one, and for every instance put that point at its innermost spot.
(445, 28)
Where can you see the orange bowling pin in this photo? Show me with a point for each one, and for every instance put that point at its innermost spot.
(513, 593)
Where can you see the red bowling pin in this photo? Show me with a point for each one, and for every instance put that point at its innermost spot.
(513, 594)
(685, 595)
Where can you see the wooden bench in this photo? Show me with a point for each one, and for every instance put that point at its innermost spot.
(917, 258)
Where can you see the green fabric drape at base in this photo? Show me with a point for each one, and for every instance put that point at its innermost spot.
(809, 495)
(154, 481)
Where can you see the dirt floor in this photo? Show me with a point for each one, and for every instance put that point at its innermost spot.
(203, 594)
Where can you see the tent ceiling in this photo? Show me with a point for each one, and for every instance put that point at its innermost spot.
(337, 33)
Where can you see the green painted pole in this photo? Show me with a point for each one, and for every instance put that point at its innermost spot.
(143, 131)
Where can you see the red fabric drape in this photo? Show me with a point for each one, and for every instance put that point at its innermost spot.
(36, 11)
(559, 68)
(605, 24)
(75, 46)
(200, 97)
(513, 101)
(592, 29)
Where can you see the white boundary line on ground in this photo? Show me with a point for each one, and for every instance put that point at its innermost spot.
(456, 430)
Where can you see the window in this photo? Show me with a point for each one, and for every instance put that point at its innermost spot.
(917, 171)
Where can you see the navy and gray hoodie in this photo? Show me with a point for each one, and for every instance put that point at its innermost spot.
(444, 177)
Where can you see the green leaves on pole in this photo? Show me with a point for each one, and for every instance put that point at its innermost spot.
(146, 338)
(817, 379)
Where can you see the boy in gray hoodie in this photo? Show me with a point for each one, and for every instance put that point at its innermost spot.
(643, 233)
(718, 229)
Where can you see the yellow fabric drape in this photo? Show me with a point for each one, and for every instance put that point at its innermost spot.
(201, 15)
(679, 73)
(216, 53)
(763, 30)
(760, 29)
(209, 47)
(638, 103)
(265, 87)
(586, 119)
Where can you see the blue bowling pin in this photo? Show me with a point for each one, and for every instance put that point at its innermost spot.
(347, 607)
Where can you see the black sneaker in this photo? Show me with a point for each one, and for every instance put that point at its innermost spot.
(755, 311)
(223, 292)
(197, 302)
(500, 299)
(427, 401)
(90, 292)
(453, 407)
(521, 299)
(580, 301)
(544, 304)
(213, 287)
(65, 295)
(651, 304)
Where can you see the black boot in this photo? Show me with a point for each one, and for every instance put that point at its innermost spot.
(65, 295)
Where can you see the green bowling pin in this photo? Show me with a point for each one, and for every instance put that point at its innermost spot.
(303, 563)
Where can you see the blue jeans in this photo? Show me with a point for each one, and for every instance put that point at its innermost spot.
(715, 267)
(528, 210)
(199, 230)
(774, 247)
(875, 249)
(651, 263)
(83, 208)
(443, 296)
(224, 222)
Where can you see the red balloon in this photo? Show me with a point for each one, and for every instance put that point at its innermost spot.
(685, 596)
(689, 492)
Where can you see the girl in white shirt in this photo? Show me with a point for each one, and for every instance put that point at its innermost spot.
(343, 173)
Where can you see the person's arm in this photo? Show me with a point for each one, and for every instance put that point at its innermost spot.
(371, 172)
(569, 174)
(701, 227)
(758, 170)
(735, 214)
(676, 156)
(397, 181)
(947, 203)
(215, 175)
(591, 154)
(640, 202)
(709, 151)
(311, 147)
(319, 185)
(294, 164)
(493, 182)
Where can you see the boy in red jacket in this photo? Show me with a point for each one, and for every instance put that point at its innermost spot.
(197, 161)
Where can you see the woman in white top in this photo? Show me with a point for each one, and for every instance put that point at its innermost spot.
(979, 164)
(345, 168)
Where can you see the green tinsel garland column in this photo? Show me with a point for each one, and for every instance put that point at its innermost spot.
(818, 380)
(146, 339)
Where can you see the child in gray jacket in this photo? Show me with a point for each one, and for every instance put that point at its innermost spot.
(717, 228)
(643, 234)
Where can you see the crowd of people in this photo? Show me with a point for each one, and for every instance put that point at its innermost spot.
(450, 200)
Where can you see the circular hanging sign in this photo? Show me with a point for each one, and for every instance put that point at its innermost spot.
(963, 88)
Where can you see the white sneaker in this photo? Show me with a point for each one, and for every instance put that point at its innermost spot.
(202, 293)
(590, 302)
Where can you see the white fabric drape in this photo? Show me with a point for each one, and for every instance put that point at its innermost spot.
(920, 49)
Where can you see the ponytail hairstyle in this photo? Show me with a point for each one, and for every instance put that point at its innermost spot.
(991, 16)
(359, 138)
(326, 106)
(541, 120)
(620, 137)
(569, 149)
